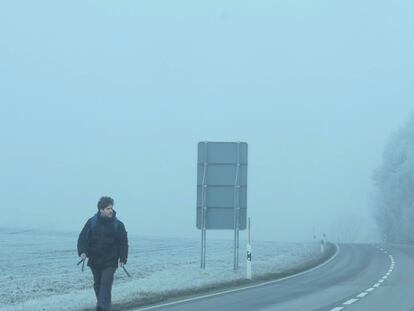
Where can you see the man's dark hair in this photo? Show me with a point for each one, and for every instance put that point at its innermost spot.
(105, 202)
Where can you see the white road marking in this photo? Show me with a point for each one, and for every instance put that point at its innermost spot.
(362, 295)
(350, 301)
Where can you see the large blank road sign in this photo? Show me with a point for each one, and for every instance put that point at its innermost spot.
(222, 172)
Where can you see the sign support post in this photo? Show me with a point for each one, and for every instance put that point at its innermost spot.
(237, 210)
(204, 212)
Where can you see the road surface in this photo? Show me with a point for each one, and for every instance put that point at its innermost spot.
(361, 277)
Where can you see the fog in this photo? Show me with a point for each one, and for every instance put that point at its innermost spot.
(111, 98)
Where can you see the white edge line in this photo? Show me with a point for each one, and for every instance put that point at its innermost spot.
(362, 295)
(243, 288)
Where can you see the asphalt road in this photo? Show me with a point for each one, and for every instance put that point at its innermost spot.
(361, 277)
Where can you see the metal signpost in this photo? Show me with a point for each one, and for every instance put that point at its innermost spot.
(221, 191)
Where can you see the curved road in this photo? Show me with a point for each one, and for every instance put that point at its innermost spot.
(361, 277)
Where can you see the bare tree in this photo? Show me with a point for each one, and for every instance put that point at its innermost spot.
(394, 181)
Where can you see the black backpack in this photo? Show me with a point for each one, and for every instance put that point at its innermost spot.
(94, 221)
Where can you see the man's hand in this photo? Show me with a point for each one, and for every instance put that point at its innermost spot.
(83, 256)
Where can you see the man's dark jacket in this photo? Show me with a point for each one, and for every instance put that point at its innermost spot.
(105, 243)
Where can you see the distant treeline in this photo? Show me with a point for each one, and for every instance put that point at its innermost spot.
(394, 180)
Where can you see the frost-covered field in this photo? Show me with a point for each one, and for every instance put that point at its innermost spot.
(38, 269)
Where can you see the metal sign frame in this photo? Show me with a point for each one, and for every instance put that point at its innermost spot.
(225, 164)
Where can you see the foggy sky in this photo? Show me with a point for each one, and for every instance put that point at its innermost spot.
(111, 98)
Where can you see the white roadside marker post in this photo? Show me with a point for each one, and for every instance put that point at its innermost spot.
(249, 254)
(323, 243)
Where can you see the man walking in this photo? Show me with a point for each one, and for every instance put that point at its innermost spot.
(104, 241)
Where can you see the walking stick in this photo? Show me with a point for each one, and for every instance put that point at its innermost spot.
(127, 273)
(83, 264)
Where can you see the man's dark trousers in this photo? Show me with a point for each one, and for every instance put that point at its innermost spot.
(103, 279)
